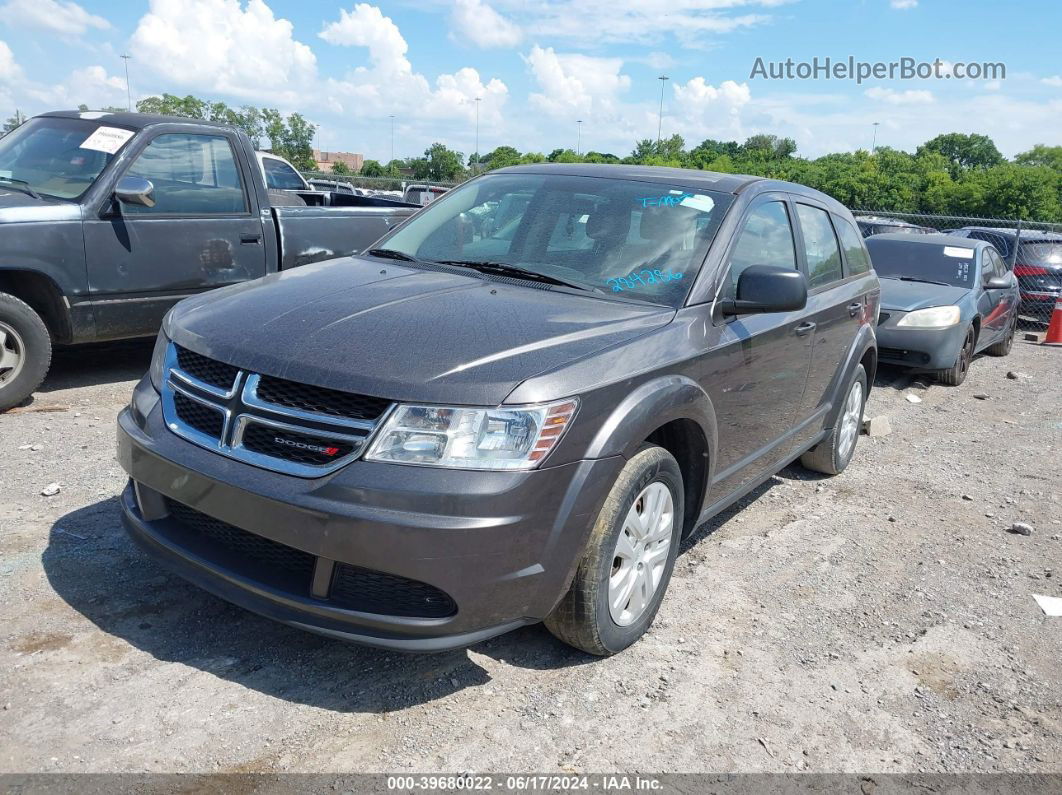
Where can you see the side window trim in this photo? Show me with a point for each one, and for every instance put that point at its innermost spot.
(237, 162)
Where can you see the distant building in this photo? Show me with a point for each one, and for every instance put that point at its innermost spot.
(325, 160)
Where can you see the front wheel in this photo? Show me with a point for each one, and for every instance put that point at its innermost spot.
(25, 351)
(1003, 347)
(955, 375)
(629, 556)
(832, 454)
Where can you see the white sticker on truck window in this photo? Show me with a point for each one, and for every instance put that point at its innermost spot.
(698, 202)
(107, 139)
(958, 251)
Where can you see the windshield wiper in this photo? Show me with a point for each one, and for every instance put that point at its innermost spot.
(505, 269)
(390, 253)
(24, 185)
(916, 279)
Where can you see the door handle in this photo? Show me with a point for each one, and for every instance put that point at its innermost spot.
(251, 238)
(804, 329)
(854, 309)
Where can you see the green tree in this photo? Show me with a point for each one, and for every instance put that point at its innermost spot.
(370, 168)
(13, 122)
(341, 169)
(172, 105)
(964, 151)
(438, 163)
(501, 157)
(1041, 155)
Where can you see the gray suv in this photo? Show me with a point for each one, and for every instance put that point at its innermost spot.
(512, 409)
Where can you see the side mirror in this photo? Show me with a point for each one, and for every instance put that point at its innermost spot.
(135, 190)
(767, 288)
(999, 283)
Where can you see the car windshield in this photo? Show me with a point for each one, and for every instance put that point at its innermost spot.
(1043, 254)
(642, 241)
(898, 259)
(56, 157)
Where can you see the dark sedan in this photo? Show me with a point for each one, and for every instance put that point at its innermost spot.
(943, 300)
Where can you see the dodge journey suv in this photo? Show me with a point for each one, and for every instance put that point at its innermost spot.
(512, 409)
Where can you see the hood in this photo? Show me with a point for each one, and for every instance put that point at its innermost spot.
(16, 206)
(909, 296)
(379, 328)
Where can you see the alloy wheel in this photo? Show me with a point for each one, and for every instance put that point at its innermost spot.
(641, 553)
(12, 356)
(853, 409)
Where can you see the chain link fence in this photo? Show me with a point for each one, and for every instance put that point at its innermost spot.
(1031, 249)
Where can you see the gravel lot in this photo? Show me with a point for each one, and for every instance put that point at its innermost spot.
(879, 621)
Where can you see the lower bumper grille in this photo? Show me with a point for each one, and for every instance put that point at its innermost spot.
(288, 569)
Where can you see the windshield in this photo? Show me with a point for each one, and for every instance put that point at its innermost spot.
(895, 259)
(634, 240)
(58, 157)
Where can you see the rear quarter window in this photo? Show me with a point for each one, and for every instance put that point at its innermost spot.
(820, 246)
(852, 243)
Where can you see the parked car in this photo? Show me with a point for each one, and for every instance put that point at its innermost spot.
(423, 194)
(943, 300)
(279, 174)
(446, 438)
(1037, 264)
(108, 219)
(878, 225)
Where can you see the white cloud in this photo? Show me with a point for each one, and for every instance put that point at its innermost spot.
(572, 84)
(1055, 81)
(893, 97)
(389, 83)
(220, 46)
(480, 24)
(903, 5)
(10, 72)
(56, 16)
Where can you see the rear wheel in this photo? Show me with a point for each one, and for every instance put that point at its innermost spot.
(629, 556)
(1002, 348)
(832, 454)
(25, 351)
(955, 375)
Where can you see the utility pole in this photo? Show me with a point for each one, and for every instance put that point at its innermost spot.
(874, 144)
(392, 117)
(476, 169)
(317, 128)
(660, 116)
(579, 138)
(128, 91)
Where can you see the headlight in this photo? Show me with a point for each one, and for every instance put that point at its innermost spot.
(463, 438)
(934, 317)
(158, 361)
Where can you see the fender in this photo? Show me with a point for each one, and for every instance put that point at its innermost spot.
(38, 288)
(651, 405)
(865, 340)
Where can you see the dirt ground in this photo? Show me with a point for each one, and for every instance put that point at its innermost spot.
(882, 620)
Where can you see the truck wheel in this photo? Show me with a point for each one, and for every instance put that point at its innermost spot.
(629, 556)
(954, 376)
(832, 454)
(25, 351)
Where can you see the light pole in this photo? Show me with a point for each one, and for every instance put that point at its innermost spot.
(660, 116)
(128, 92)
(317, 128)
(476, 169)
(579, 138)
(874, 144)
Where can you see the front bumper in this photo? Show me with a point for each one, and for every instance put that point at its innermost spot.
(918, 348)
(501, 545)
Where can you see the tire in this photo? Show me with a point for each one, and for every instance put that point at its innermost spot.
(1003, 347)
(25, 351)
(955, 375)
(584, 618)
(282, 198)
(832, 454)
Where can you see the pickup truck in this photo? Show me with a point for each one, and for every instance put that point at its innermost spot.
(109, 219)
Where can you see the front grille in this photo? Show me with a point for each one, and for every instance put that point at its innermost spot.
(301, 448)
(252, 556)
(376, 592)
(297, 429)
(279, 566)
(321, 400)
(199, 415)
(209, 371)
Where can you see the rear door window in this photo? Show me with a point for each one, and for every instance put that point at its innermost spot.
(854, 252)
(820, 246)
(281, 176)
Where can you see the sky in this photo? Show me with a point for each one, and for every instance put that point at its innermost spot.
(539, 67)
